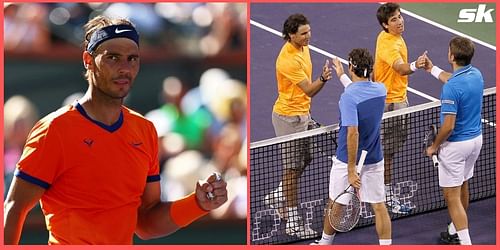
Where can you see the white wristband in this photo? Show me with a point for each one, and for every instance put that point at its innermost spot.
(436, 71)
(344, 79)
(412, 66)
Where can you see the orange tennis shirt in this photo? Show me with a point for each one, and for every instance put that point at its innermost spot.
(292, 67)
(94, 174)
(389, 49)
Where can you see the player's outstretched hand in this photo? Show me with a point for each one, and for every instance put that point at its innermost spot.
(327, 71)
(421, 61)
(428, 63)
(212, 192)
(337, 65)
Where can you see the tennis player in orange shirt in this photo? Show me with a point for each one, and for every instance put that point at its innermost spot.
(93, 165)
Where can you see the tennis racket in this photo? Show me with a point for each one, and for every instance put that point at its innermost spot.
(210, 195)
(344, 213)
(313, 124)
(430, 136)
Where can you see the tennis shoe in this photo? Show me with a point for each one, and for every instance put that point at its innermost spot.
(399, 208)
(449, 239)
(319, 243)
(295, 227)
(276, 200)
(316, 243)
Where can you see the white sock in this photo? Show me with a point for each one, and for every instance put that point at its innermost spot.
(452, 229)
(464, 237)
(326, 239)
(385, 242)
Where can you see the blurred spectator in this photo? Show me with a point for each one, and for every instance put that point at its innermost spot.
(194, 29)
(143, 16)
(226, 148)
(25, 28)
(229, 106)
(66, 21)
(228, 29)
(19, 117)
(226, 159)
(180, 172)
(179, 129)
(223, 100)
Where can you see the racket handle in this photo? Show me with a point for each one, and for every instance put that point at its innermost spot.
(210, 195)
(361, 161)
(435, 161)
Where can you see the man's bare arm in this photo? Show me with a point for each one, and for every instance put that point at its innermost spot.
(22, 197)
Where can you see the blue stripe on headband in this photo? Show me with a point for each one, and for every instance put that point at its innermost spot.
(110, 32)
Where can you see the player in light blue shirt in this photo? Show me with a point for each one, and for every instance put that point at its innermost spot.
(462, 96)
(361, 110)
(459, 140)
(360, 107)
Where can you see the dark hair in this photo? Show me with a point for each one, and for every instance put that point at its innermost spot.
(361, 61)
(384, 12)
(292, 23)
(462, 50)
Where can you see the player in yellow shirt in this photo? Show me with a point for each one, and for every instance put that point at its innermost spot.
(291, 114)
(392, 68)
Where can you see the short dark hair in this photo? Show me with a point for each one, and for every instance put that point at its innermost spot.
(462, 50)
(385, 11)
(292, 23)
(361, 61)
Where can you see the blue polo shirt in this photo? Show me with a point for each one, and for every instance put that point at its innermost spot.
(362, 105)
(462, 96)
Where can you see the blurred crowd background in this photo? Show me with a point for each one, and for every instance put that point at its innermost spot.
(196, 29)
(192, 86)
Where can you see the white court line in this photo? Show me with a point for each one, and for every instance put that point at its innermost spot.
(330, 55)
(456, 32)
(325, 53)
(312, 47)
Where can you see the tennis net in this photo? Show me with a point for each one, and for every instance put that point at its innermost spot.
(414, 179)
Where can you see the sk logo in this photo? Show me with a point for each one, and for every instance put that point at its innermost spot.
(478, 15)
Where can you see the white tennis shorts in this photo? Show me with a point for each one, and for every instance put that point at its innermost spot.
(457, 161)
(372, 181)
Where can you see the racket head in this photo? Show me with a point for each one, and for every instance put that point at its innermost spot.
(313, 124)
(343, 213)
(324, 147)
(430, 136)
